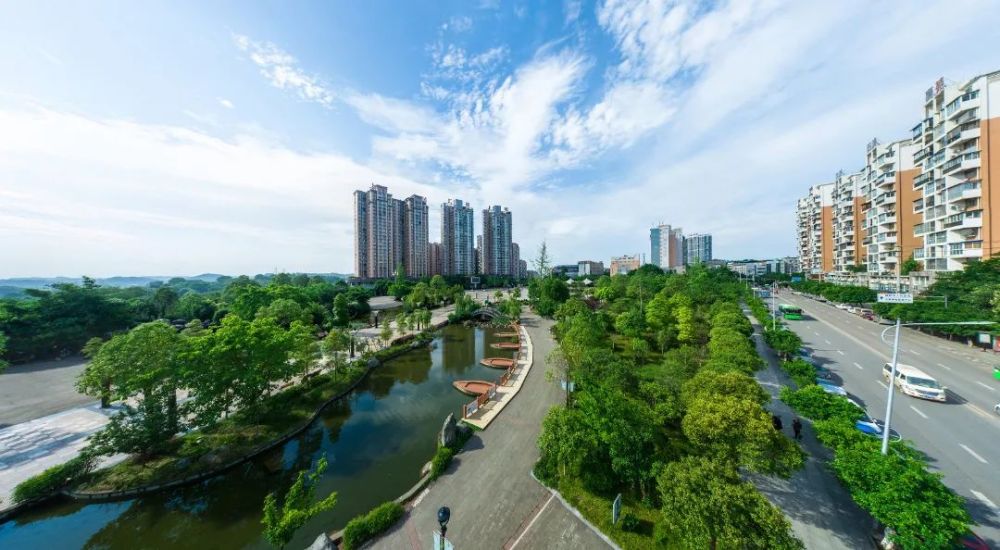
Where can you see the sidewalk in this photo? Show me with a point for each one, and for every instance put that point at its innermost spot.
(821, 511)
(29, 448)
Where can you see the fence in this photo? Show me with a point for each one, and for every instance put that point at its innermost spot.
(470, 408)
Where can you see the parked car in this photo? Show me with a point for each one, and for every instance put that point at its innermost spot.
(996, 408)
(823, 374)
(841, 306)
(915, 382)
(831, 388)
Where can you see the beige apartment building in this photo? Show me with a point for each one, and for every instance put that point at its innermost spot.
(934, 197)
(623, 265)
(815, 229)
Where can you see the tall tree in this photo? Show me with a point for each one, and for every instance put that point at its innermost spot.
(143, 366)
(542, 263)
(707, 505)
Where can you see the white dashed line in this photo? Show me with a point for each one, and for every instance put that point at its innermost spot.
(916, 410)
(859, 366)
(829, 343)
(915, 352)
(973, 453)
(840, 352)
(816, 333)
(985, 386)
(983, 498)
(946, 367)
(881, 383)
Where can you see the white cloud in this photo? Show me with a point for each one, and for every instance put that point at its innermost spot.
(282, 71)
(226, 103)
(458, 23)
(572, 9)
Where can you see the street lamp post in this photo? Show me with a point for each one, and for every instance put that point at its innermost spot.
(444, 514)
(774, 312)
(895, 362)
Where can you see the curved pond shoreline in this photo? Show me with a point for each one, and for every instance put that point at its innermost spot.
(377, 438)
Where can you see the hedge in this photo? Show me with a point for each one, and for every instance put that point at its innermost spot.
(368, 526)
(442, 458)
(801, 372)
(53, 479)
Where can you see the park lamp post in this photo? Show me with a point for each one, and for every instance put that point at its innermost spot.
(895, 361)
(444, 514)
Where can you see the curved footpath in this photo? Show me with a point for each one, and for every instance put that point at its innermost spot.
(494, 501)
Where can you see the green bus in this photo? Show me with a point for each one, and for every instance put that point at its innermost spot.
(790, 312)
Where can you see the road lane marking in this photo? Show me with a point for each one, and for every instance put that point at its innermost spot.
(816, 333)
(829, 343)
(840, 352)
(532, 522)
(985, 386)
(973, 453)
(881, 383)
(421, 497)
(983, 498)
(916, 410)
(914, 352)
(859, 366)
(946, 367)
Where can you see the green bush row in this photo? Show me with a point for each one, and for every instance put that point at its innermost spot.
(896, 489)
(368, 526)
(53, 479)
(442, 458)
(801, 372)
(776, 335)
(848, 294)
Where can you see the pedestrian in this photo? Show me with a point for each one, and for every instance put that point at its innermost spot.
(797, 428)
(776, 421)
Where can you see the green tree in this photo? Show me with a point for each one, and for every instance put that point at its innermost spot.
(707, 505)
(630, 323)
(195, 306)
(542, 262)
(143, 365)
(3, 351)
(738, 431)
(164, 300)
(385, 334)
(89, 351)
(299, 506)
(909, 266)
(284, 312)
(234, 366)
(564, 442)
(341, 316)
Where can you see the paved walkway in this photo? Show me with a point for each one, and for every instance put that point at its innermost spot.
(822, 513)
(505, 394)
(494, 501)
(40, 388)
(29, 448)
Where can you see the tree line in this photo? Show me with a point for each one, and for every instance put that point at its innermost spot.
(666, 411)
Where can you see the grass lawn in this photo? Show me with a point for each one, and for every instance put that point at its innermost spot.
(597, 510)
(203, 450)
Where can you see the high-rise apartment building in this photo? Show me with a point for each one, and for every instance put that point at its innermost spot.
(515, 260)
(929, 197)
(815, 229)
(457, 237)
(697, 248)
(496, 247)
(378, 233)
(434, 259)
(958, 186)
(590, 268)
(848, 221)
(666, 246)
(415, 237)
(889, 216)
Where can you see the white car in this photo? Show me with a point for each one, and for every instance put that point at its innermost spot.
(916, 383)
(842, 306)
(996, 408)
(831, 388)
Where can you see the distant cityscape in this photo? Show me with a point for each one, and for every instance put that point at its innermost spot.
(391, 234)
(920, 205)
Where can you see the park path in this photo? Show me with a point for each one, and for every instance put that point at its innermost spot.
(821, 511)
(494, 501)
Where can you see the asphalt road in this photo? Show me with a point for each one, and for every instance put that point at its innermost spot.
(39, 389)
(960, 437)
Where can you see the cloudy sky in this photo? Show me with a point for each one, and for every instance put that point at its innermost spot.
(187, 137)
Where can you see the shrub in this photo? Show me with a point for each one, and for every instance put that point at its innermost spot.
(628, 522)
(53, 479)
(801, 372)
(442, 458)
(368, 526)
(812, 402)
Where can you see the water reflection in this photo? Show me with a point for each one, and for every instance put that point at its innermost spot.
(376, 441)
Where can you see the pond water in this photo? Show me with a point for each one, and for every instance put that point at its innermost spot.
(376, 441)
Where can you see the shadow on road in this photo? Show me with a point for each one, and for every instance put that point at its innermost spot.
(40, 366)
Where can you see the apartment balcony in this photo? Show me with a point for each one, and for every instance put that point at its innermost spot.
(962, 134)
(918, 253)
(967, 249)
(923, 153)
(963, 162)
(967, 116)
(923, 228)
(920, 180)
(886, 220)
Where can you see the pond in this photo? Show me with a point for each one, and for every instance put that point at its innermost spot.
(376, 441)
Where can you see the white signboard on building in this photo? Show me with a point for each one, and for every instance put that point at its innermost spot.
(895, 298)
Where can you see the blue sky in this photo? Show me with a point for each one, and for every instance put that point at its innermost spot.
(185, 137)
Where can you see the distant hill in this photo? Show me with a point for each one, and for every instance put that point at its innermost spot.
(15, 286)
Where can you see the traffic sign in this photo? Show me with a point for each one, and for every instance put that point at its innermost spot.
(895, 298)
